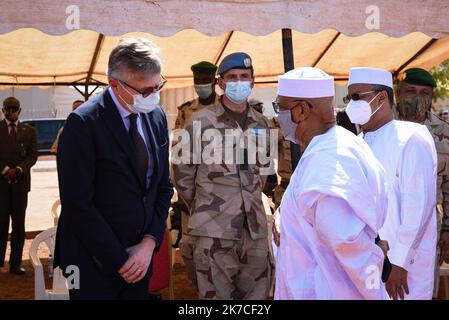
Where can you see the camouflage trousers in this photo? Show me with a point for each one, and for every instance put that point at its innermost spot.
(186, 249)
(232, 269)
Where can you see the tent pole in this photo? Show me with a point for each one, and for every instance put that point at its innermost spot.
(76, 88)
(223, 47)
(86, 92)
(289, 64)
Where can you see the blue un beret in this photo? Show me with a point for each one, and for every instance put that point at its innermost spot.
(236, 60)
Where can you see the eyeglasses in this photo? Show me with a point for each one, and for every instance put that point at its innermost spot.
(356, 96)
(150, 90)
(277, 107)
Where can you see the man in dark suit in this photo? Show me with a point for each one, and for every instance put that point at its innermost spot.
(18, 153)
(114, 179)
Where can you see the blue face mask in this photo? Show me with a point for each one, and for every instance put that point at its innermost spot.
(238, 91)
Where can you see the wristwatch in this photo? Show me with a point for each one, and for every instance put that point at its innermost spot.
(20, 170)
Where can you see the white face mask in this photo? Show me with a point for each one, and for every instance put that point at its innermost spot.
(204, 90)
(143, 104)
(359, 111)
(288, 127)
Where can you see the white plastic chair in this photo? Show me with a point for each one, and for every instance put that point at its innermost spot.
(59, 290)
(54, 212)
(444, 272)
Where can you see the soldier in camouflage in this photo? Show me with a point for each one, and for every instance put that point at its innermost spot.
(284, 165)
(272, 180)
(204, 82)
(228, 225)
(415, 93)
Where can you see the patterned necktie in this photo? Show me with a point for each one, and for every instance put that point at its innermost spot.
(141, 148)
(13, 132)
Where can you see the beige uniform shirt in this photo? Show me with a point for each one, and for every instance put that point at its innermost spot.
(440, 133)
(186, 110)
(284, 165)
(224, 197)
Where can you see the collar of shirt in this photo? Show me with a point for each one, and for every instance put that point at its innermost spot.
(123, 112)
(9, 123)
(371, 135)
(432, 119)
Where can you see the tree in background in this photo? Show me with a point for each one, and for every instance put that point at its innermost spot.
(441, 75)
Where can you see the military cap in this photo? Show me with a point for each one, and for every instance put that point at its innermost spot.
(11, 102)
(204, 66)
(236, 60)
(420, 77)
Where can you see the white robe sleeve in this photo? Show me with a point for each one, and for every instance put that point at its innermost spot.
(417, 187)
(344, 233)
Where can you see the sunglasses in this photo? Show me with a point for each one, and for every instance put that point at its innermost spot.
(150, 90)
(356, 96)
(12, 109)
(277, 107)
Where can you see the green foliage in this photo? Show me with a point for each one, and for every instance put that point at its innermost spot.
(441, 75)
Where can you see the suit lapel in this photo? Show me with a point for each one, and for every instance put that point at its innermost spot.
(115, 124)
(4, 130)
(149, 126)
(20, 132)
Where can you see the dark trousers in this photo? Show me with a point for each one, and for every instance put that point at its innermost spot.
(12, 204)
(114, 289)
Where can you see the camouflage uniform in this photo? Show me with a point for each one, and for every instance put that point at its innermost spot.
(185, 111)
(284, 165)
(440, 133)
(228, 224)
(272, 180)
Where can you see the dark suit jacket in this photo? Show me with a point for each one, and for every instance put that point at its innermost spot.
(105, 205)
(23, 153)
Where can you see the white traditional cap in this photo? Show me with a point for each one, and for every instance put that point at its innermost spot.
(370, 76)
(306, 82)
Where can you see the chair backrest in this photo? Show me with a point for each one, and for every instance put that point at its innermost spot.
(59, 283)
(162, 267)
(54, 212)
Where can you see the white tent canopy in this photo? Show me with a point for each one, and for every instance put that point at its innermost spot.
(34, 58)
(38, 47)
(216, 17)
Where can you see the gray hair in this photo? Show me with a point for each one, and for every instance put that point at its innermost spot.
(134, 55)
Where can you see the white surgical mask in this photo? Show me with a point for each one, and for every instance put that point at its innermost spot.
(359, 111)
(143, 104)
(238, 91)
(204, 90)
(288, 127)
